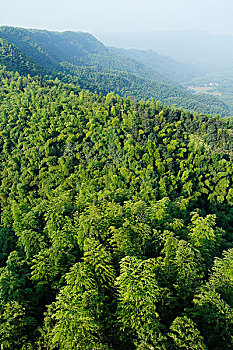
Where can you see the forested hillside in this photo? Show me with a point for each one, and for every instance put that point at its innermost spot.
(98, 68)
(168, 67)
(116, 222)
(52, 49)
(210, 53)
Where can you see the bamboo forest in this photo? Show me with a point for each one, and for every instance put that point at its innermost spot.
(116, 228)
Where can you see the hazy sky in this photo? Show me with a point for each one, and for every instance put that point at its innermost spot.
(120, 15)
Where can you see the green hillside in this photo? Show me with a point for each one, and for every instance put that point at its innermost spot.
(97, 68)
(50, 49)
(116, 222)
(14, 60)
(167, 66)
(126, 84)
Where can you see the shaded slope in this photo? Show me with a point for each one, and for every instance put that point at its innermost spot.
(167, 66)
(95, 67)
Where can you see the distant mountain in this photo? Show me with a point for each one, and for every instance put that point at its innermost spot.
(51, 49)
(46, 47)
(165, 65)
(209, 52)
(81, 58)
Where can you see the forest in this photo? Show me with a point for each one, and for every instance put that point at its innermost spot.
(80, 58)
(116, 221)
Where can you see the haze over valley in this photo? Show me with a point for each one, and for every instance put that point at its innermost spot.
(210, 56)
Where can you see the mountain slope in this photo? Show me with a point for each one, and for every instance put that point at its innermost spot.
(13, 59)
(211, 53)
(50, 49)
(98, 68)
(126, 84)
(116, 222)
(167, 66)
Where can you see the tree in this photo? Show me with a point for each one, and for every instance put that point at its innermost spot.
(214, 318)
(139, 295)
(185, 335)
(73, 321)
(221, 278)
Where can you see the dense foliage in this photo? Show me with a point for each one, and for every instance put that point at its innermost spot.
(116, 222)
(98, 68)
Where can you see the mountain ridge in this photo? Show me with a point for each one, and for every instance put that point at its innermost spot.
(71, 53)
